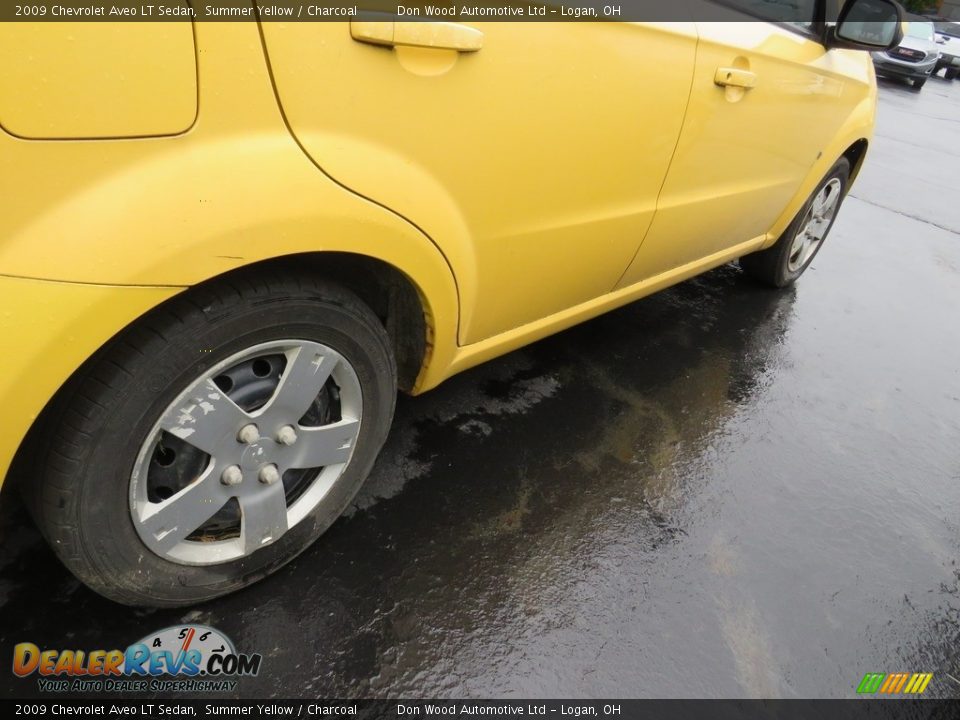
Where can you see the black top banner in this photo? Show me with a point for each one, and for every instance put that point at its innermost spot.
(800, 12)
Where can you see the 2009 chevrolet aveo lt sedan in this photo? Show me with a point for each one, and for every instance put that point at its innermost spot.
(225, 246)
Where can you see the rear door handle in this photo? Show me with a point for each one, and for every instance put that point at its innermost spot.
(439, 35)
(734, 77)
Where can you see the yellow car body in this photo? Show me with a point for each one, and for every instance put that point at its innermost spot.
(521, 188)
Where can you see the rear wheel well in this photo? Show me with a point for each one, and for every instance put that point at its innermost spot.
(389, 293)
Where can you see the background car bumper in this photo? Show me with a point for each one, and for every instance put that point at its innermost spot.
(886, 65)
(47, 330)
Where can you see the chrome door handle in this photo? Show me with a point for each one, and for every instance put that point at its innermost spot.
(415, 33)
(735, 77)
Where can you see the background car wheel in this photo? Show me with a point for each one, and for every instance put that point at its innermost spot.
(951, 73)
(783, 263)
(214, 440)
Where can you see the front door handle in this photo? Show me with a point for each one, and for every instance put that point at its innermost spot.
(735, 77)
(439, 35)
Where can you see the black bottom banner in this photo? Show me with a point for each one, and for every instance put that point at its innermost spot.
(566, 709)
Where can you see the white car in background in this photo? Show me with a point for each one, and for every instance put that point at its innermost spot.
(948, 40)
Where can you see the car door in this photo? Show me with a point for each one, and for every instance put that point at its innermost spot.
(747, 144)
(533, 159)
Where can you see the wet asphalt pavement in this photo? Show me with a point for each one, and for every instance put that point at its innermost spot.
(719, 491)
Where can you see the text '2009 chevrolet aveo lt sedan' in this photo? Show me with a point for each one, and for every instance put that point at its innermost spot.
(225, 246)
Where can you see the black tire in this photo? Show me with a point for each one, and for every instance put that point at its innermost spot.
(919, 83)
(79, 493)
(951, 73)
(772, 266)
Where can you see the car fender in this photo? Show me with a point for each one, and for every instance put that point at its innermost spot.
(858, 127)
(201, 209)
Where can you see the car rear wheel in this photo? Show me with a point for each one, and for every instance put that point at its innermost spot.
(784, 262)
(214, 440)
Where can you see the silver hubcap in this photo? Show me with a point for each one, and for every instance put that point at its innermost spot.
(246, 452)
(815, 225)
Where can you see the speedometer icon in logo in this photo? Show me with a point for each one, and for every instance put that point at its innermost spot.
(184, 638)
(189, 650)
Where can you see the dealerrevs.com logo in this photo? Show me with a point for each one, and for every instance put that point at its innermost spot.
(187, 658)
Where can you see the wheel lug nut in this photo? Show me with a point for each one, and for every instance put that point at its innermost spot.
(248, 434)
(287, 435)
(269, 474)
(232, 475)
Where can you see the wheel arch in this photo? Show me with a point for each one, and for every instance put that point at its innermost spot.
(401, 304)
(852, 146)
(393, 296)
(856, 154)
